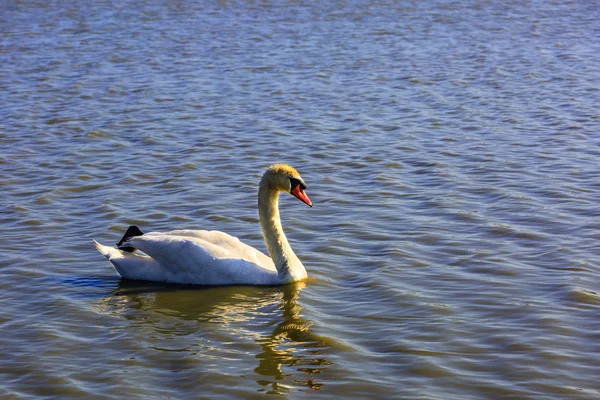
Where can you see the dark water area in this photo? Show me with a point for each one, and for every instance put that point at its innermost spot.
(451, 149)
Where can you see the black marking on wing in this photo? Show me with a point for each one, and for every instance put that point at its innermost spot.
(131, 232)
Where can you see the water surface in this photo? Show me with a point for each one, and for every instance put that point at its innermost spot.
(451, 150)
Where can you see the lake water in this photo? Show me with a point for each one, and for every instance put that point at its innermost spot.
(451, 149)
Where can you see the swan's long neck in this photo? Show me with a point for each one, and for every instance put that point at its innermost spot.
(287, 263)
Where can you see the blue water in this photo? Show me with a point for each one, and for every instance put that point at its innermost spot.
(451, 150)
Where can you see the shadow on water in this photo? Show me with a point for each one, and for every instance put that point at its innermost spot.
(289, 354)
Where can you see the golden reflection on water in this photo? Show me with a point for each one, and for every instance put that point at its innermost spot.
(207, 322)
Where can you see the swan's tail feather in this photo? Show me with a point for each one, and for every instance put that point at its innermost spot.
(132, 266)
(131, 232)
(108, 252)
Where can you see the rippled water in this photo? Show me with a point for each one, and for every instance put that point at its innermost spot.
(451, 149)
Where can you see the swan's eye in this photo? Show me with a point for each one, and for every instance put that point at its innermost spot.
(295, 182)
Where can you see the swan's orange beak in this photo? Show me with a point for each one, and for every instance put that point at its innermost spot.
(299, 193)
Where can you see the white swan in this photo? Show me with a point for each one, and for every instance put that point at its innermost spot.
(213, 257)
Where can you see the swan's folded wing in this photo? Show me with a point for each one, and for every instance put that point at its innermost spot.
(190, 259)
(228, 243)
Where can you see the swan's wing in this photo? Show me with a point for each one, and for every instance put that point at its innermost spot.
(189, 259)
(226, 242)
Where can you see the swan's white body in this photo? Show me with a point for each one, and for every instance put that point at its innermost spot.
(216, 258)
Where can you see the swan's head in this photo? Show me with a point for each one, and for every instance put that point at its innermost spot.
(285, 178)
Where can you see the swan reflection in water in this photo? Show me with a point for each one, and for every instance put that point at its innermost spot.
(216, 328)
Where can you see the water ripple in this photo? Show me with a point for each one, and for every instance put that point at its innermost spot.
(450, 149)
